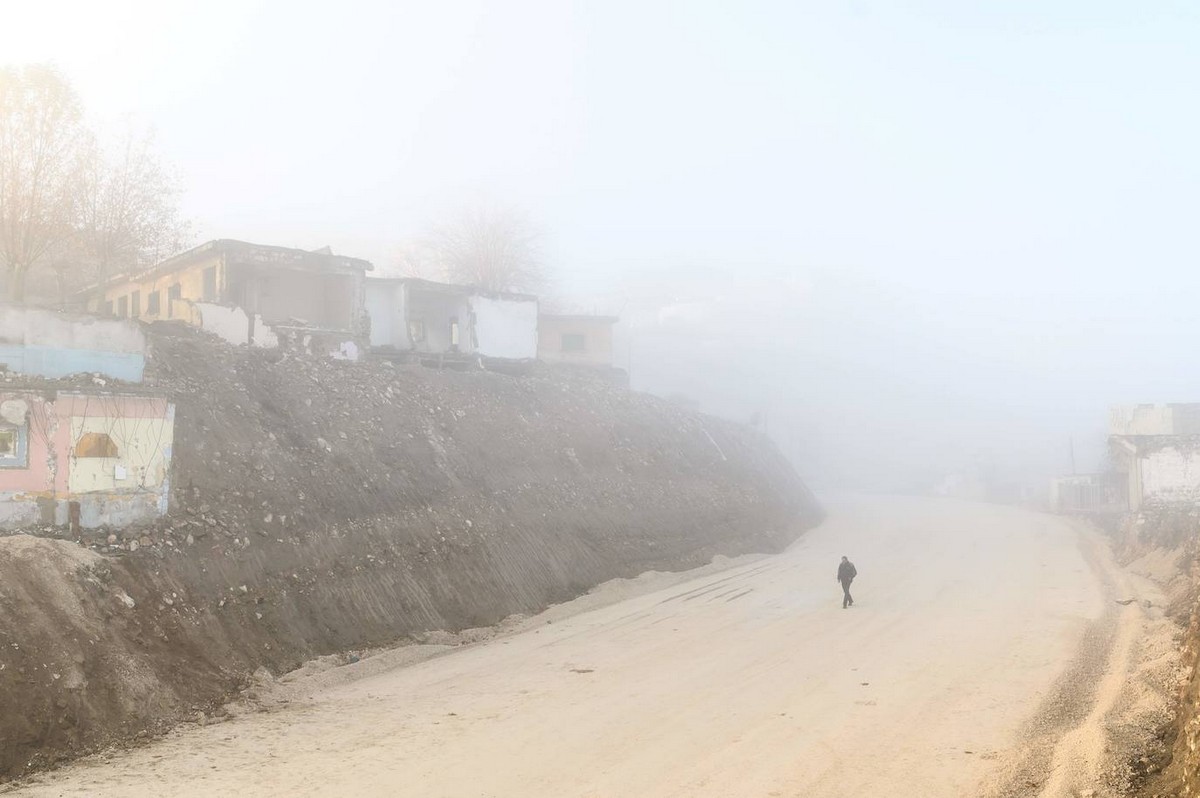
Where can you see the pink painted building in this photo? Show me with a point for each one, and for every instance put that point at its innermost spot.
(86, 459)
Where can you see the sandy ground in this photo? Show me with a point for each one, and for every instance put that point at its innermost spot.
(749, 681)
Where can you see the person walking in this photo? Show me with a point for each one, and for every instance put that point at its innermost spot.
(846, 574)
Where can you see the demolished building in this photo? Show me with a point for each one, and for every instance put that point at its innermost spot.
(74, 449)
(1157, 450)
(246, 293)
(432, 318)
(83, 458)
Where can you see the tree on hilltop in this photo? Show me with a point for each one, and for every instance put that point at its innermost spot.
(43, 148)
(71, 211)
(492, 247)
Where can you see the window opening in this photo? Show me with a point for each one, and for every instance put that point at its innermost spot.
(96, 444)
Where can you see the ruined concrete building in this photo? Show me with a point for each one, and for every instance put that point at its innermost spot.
(87, 459)
(90, 457)
(1157, 450)
(246, 293)
(426, 317)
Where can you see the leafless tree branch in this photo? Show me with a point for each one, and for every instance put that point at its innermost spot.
(490, 247)
(72, 213)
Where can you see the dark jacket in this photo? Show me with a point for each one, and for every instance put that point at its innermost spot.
(847, 571)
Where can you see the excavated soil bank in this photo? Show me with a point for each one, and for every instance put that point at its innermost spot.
(1172, 534)
(320, 506)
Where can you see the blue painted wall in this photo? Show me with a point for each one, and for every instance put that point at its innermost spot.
(54, 362)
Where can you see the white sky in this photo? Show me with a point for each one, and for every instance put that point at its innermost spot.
(920, 233)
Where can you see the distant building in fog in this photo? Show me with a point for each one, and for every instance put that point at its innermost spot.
(578, 339)
(1088, 493)
(1156, 449)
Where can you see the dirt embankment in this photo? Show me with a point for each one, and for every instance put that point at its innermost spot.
(322, 506)
(1183, 775)
(1169, 538)
(1099, 730)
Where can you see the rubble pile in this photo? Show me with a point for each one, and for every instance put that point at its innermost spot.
(320, 505)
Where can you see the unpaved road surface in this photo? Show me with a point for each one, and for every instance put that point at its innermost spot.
(748, 682)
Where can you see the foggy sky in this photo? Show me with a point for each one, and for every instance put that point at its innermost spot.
(916, 235)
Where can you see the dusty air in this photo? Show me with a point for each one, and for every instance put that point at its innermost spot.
(560, 399)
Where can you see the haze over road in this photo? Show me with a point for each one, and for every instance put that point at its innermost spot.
(746, 682)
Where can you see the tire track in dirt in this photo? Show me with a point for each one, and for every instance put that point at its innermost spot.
(1064, 747)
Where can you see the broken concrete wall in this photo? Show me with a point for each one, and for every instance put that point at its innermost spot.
(1170, 474)
(1159, 470)
(505, 327)
(384, 303)
(51, 344)
(107, 454)
(234, 325)
(229, 323)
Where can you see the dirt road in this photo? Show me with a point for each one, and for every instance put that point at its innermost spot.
(752, 681)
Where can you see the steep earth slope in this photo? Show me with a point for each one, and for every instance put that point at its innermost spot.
(1168, 538)
(321, 506)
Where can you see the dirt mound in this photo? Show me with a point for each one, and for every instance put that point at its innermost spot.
(319, 506)
(87, 653)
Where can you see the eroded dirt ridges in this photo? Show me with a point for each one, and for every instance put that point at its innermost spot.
(321, 506)
(1168, 539)
(1184, 772)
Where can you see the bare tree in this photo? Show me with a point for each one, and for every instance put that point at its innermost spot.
(491, 247)
(43, 145)
(128, 209)
(71, 212)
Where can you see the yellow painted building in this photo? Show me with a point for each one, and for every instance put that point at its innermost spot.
(282, 285)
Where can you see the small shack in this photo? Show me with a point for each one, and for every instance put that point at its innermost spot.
(578, 339)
